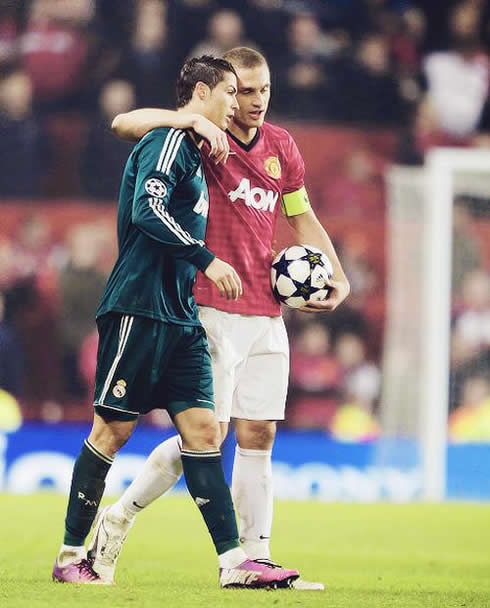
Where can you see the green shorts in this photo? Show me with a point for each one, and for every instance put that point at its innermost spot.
(144, 364)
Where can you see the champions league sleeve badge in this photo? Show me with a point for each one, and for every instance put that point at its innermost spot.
(155, 187)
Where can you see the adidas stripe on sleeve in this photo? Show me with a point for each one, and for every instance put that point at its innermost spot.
(161, 167)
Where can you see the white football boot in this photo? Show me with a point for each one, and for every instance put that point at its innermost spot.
(301, 585)
(107, 540)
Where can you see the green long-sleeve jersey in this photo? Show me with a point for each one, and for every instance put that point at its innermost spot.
(161, 224)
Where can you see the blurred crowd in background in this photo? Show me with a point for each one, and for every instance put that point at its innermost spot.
(416, 71)
(419, 66)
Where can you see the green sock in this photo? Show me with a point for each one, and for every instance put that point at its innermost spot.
(87, 487)
(206, 483)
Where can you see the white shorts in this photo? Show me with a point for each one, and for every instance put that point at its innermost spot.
(250, 364)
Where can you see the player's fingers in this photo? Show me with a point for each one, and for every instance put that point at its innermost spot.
(221, 288)
(214, 147)
(312, 310)
(229, 288)
(220, 157)
(236, 288)
(309, 310)
(223, 149)
(239, 283)
(226, 148)
(319, 305)
(314, 307)
(226, 153)
(235, 285)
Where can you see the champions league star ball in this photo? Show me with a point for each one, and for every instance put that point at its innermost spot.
(299, 273)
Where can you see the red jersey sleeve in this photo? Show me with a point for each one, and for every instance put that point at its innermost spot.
(294, 174)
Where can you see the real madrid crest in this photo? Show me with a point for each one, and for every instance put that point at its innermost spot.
(272, 167)
(119, 389)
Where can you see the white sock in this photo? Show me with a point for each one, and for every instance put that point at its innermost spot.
(69, 554)
(253, 498)
(159, 474)
(232, 558)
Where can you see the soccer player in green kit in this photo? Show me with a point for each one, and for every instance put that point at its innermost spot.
(153, 351)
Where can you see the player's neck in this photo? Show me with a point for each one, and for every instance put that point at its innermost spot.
(244, 134)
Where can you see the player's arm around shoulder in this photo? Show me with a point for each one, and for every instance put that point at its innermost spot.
(134, 125)
(307, 229)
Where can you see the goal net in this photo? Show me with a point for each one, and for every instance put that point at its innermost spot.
(436, 354)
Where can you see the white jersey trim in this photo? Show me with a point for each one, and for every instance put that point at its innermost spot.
(160, 211)
(170, 148)
(170, 157)
(124, 331)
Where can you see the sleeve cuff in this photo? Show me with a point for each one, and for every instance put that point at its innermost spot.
(202, 258)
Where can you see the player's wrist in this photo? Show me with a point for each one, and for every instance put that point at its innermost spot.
(202, 258)
(194, 120)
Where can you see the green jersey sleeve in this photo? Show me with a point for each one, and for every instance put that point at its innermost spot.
(162, 164)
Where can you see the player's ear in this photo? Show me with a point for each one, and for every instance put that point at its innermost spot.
(202, 91)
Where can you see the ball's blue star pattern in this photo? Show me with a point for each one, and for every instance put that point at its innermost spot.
(303, 289)
(281, 266)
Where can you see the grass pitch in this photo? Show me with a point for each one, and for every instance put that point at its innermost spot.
(383, 555)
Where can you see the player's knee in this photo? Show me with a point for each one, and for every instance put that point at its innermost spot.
(108, 444)
(256, 434)
(203, 437)
(109, 438)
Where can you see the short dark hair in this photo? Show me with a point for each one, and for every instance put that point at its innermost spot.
(245, 57)
(207, 69)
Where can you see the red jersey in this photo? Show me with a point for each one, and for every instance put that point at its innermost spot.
(245, 199)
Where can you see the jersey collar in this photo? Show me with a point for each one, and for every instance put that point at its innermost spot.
(246, 147)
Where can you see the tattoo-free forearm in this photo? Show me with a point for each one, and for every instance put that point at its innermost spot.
(308, 230)
(134, 125)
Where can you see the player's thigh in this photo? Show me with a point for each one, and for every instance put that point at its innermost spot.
(225, 357)
(125, 357)
(262, 388)
(188, 378)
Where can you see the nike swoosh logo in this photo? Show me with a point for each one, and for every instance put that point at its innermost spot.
(264, 537)
(137, 505)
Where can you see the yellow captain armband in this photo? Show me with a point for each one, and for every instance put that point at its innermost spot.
(295, 203)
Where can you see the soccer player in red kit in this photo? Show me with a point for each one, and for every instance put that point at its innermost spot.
(253, 172)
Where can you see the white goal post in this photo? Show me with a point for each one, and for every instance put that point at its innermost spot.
(415, 394)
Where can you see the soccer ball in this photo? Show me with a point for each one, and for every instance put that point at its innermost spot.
(299, 273)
